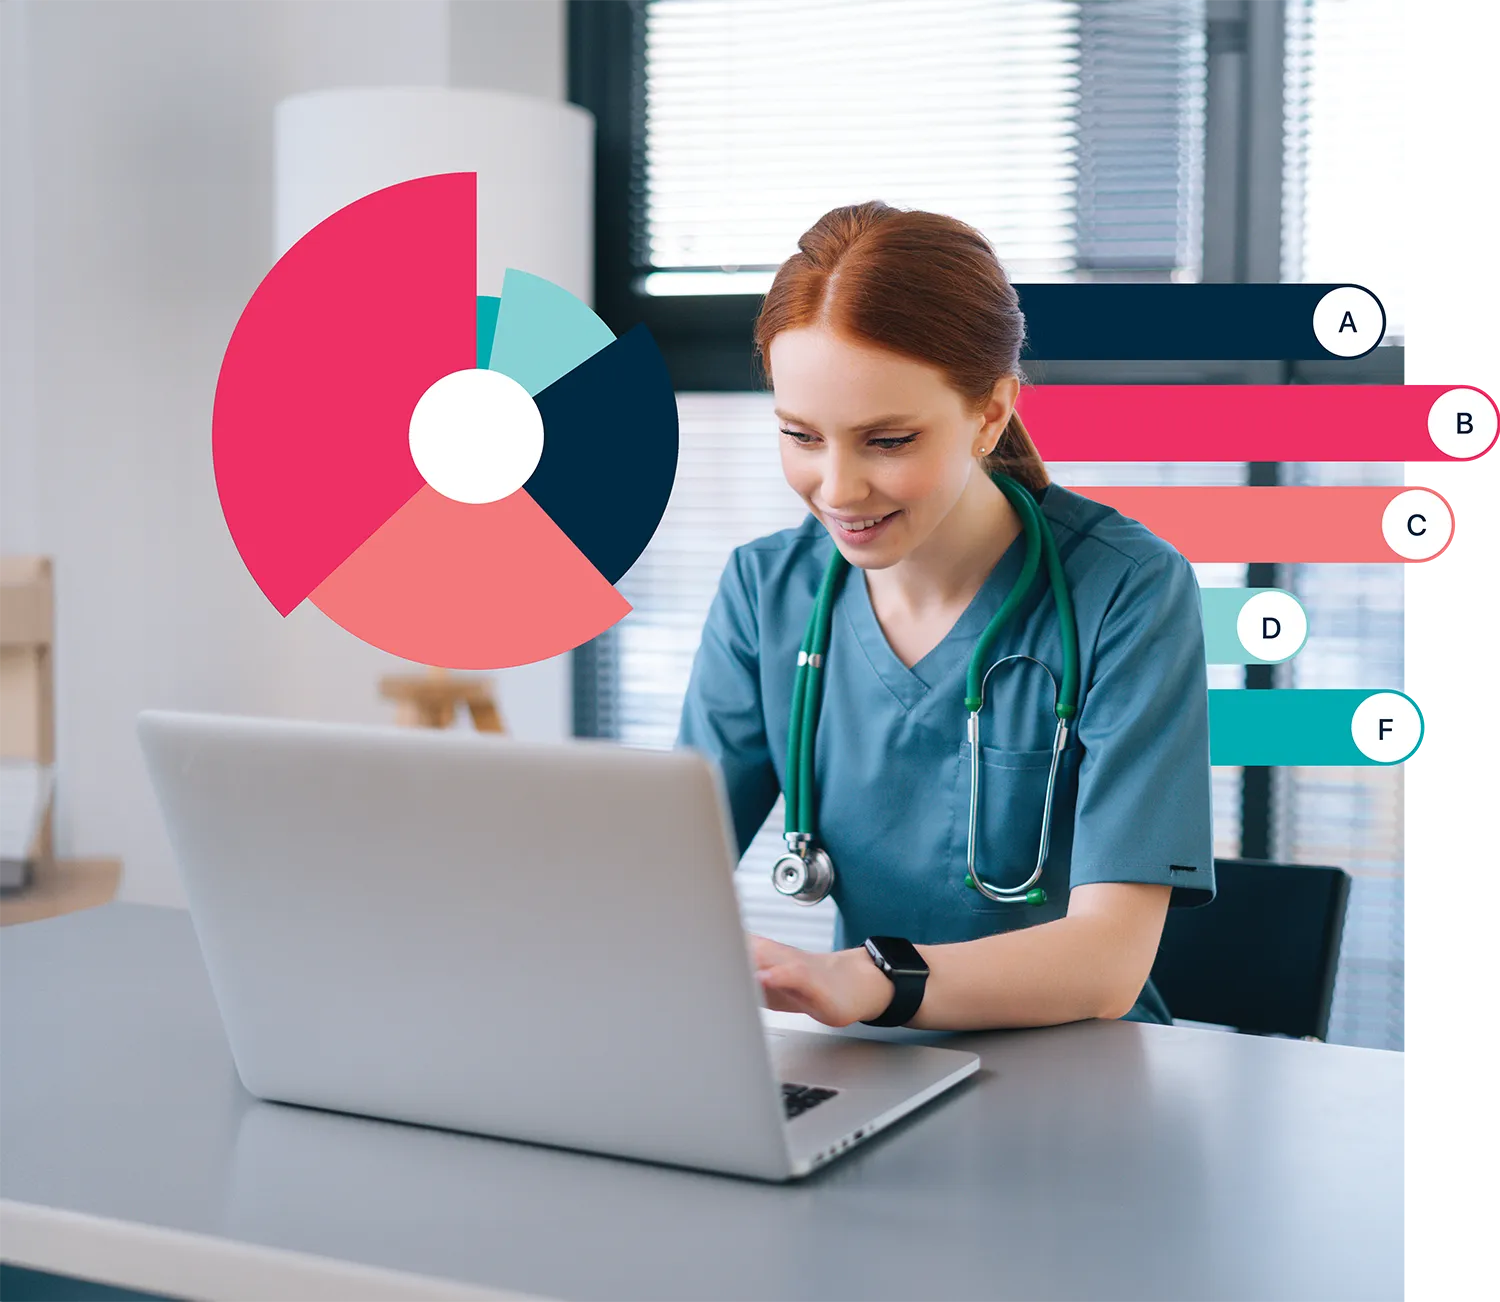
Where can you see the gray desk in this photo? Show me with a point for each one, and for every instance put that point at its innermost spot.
(1097, 1160)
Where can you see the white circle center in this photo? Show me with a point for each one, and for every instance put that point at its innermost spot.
(1272, 626)
(1417, 524)
(1387, 726)
(1462, 423)
(1348, 321)
(476, 436)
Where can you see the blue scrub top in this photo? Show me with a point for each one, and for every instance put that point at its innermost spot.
(891, 765)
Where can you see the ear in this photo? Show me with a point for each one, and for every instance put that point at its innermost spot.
(997, 413)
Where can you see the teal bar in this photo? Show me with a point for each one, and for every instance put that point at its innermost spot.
(488, 310)
(1292, 727)
(1282, 727)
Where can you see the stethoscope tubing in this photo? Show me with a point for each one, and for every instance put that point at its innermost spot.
(1021, 893)
(1041, 549)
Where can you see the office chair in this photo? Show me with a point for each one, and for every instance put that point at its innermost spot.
(1261, 956)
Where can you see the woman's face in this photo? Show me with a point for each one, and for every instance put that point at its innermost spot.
(911, 466)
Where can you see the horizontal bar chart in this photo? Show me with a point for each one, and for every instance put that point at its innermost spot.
(1252, 626)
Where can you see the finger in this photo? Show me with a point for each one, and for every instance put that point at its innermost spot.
(779, 1000)
(768, 952)
(792, 986)
(783, 999)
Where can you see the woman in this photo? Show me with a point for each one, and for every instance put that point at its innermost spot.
(892, 342)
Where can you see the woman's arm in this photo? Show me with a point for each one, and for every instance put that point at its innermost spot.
(1092, 962)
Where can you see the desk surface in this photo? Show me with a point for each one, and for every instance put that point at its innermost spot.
(1098, 1160)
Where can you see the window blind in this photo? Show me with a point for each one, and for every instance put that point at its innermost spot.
(1342, 162)
(1070, 134)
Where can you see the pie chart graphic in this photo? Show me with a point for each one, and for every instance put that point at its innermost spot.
(454, 478)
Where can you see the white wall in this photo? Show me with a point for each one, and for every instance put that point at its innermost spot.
(135, 179)
(519, 45)
(20, 511)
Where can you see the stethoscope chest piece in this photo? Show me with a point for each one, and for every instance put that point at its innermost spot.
(805, 872)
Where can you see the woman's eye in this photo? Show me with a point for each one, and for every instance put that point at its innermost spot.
(886, 444)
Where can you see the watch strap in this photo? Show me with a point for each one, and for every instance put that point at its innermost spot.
(906, 998)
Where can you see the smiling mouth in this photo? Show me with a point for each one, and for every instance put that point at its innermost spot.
(865, 525)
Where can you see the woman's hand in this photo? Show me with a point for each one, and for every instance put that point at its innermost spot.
(837, 989)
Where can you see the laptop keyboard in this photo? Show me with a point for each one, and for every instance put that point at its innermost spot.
(798, 1098)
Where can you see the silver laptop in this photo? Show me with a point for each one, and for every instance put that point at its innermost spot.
(529, 940)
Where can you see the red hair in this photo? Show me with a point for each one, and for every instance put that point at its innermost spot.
(921, 284)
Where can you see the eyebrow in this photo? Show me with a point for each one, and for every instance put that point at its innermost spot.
(880, 422)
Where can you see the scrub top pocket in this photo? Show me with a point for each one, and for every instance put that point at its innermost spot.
(1012, 795)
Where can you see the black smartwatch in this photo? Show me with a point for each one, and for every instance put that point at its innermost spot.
(899, 960)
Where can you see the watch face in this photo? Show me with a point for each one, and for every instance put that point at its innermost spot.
(900, 955)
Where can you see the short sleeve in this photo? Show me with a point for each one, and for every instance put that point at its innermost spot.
(1145, 806)
(722, 713)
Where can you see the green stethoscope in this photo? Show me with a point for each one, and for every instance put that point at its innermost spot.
(805, 872)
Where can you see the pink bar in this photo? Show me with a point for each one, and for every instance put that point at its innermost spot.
(1262, 524)
(1236, 422)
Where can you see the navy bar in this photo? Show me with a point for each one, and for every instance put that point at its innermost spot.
(1175, 322)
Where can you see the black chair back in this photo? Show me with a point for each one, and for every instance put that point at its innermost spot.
(1262, 956)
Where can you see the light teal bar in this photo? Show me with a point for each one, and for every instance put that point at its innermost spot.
(1221, 611)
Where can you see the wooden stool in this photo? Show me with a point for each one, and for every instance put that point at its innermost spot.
(432, 700)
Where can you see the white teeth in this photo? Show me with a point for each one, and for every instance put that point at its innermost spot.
(860, 524)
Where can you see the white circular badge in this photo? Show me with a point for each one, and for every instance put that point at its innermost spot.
(1462, 423)
(1348, 321)
(1272, 626)
(1417, 524)
(476, 435)
(1387, 727)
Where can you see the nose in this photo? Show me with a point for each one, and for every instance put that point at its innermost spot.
(844, 486)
